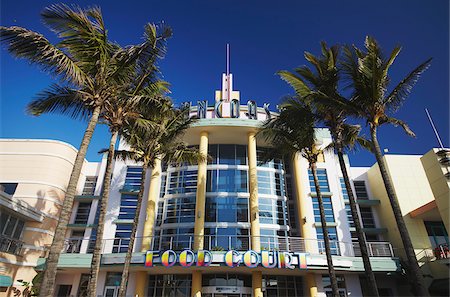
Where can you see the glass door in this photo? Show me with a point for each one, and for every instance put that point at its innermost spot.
(111, 291)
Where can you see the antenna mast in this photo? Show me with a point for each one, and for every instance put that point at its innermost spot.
(228, 59)
(434, 128)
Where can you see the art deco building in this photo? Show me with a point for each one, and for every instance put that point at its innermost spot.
(231, 226)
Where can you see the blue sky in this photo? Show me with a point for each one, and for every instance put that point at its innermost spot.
(265, 37)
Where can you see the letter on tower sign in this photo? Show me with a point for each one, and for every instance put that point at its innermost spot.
(217, 108)
(266, 109)
(251, 113)
(201, 109)
(186, 107)
(235, 108)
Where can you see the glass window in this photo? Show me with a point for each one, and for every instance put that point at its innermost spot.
(348, 212)
(367, 217)
(360, 189)
(169, 285)
(82, 215)
(113, 279)
(133, 178)
(64, 290)
(89, 185)
(343, 188)
(326, 281)
(184, 181)
(323, 180)
(8, 188)
(122, 238)
(222, 239)
(280, 286)
(128, 204)
(11, 226)
(230, 180)
(227, 154)
(332, 235)
(328, 208)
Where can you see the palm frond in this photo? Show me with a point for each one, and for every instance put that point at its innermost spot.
(295, 82)
(396, 123)
(398, 95)
(61, 100)
(34, 47)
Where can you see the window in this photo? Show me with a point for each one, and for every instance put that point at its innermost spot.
(328, 208)
(232, 280)
(83, 286)
(82, 215)
(326, 281)
(228, 154)
(272, 211)
(226, 209)
(184, 181)
(270, 182)
(11, 226)
(281, 286)
(360, 189)
(133, 178)
(367, 217)
(230, 180)
(8, 188)
(122, 238)
(436, 233)
(343, 188)
(180, 210)
(128, 204)
(227, 239)
(261, 153)
(89, 185)
(348, 212)
(169, 285)
(176, 239)
(323, 180)
(64, 290)
(332, 235)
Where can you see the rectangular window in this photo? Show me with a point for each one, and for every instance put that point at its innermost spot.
(133, 178)
(11, 226)
(83, 285)
(360, 189)
(328, 208)
(367, 217)
(323, 180)
(326, 281)
(230, 180)
(82, 215)
(348, 212)
(184, 181)
(8, 188)
(128, 204)
(122, 238)
(343, 188)
(89, 185)
(332, 235)
(64, 290)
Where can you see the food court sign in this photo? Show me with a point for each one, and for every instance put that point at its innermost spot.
(204, 258)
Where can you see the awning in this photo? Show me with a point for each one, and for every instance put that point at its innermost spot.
(5, 281)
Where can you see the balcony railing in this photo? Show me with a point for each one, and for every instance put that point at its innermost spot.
(11, 245)
(225, 243)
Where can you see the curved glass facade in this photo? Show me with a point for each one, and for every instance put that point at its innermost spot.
(227, 201)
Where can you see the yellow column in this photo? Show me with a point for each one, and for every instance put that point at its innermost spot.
(153, 194)
(141, 283)
(201, 193)
(302, 205)
(311, 284)
(257, 284)
(199, 227)
(196, 284)
(254, 211)
(253, 190)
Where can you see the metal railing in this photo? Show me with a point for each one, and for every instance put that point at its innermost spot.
(439, 252)
(11, 245)
(235, 242)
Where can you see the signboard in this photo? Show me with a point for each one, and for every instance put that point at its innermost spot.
(231, 109)
(204, 258)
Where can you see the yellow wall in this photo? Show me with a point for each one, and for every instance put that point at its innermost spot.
(413, 191)
(440, 185)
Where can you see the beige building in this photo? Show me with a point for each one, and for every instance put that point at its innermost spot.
(33, 179)
(421, 184)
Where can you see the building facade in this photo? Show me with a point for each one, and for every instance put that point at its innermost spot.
(232, 226)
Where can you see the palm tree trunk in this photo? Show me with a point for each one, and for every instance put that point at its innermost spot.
(416, 277)
(326, 239)
(362, 241)
(96, 256)
(48, 282)
(126, 266)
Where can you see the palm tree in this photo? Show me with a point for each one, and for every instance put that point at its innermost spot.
(290, 133)
(161, 141)
(319, 89)
(82, 61)
(368, 73)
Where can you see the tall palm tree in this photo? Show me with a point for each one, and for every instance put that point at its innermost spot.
(160, 141)
(290, 133)
(368, 73)
(319, 89)
(82, 61)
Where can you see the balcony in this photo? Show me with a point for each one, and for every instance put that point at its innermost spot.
(225, 243)
(11, 245)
